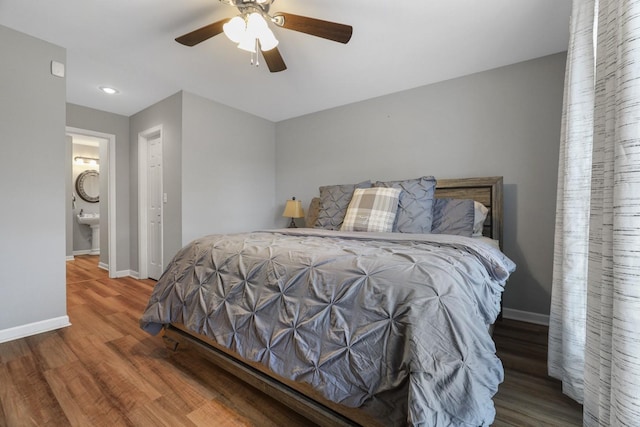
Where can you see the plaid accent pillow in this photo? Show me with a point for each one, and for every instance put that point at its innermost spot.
(415, 209)
(372, 209)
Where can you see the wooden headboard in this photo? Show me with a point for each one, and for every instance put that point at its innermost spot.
(486, 190)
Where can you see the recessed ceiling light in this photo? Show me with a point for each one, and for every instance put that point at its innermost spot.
(108, 90)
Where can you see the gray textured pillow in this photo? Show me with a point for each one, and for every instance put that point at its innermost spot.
(453, 216)
(334, 201)
(415, 209)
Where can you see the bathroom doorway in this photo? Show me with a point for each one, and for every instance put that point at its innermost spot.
(91, 193)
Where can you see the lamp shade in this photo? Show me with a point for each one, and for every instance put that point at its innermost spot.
(293, 209)
(248, 43)
(235, 29)
(267, 40)
(248, 30)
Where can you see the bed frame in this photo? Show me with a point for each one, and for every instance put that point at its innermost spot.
(301, 397)
(487, 191)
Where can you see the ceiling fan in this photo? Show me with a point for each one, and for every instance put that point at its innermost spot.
(251, 30)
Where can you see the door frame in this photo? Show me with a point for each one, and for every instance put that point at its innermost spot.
(143, 235)
(111, 191)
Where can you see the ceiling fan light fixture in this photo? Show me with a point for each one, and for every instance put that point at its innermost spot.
(235, 29)
(251, 31)
(256, 25)
(248, 43)
(267, 40)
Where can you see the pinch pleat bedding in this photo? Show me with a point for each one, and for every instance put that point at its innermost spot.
(367, 319)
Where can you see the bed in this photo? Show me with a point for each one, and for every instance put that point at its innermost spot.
(350, 327)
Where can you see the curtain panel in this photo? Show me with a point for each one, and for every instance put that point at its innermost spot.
(594, 331)
(571, 248)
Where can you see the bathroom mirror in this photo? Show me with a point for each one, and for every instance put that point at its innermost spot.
(88, 186)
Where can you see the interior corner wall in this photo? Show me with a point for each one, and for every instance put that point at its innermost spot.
(167, 113)
(504, 121)
(118, 125)
(68, 197)
(228, 169)
(32, 184)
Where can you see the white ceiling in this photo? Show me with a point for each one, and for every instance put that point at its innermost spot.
(129, 44)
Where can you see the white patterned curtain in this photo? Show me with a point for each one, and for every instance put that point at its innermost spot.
(594, 330)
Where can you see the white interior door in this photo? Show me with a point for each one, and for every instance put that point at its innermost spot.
(154, 207)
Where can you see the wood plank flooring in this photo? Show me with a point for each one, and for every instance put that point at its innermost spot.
(528, 397)
(105, 371)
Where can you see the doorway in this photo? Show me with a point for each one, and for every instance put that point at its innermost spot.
(150, 203)
(106, 158)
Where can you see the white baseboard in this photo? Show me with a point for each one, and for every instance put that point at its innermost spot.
(134, 274)
(525, 316)
(33, 328)
(123, 273)
(83, 252)
(119, 274)
(70, 258)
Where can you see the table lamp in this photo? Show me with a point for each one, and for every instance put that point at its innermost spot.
(293, 209)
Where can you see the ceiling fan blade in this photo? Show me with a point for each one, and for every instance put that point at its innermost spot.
(316, 27)
(274, 60)
(202, 34)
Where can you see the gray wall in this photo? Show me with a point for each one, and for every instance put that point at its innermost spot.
(228, 169)
(214, 158)
(504, 121)
(114, 124)
(32, 181)
(167, 113)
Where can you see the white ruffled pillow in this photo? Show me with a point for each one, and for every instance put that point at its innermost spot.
(480, 212)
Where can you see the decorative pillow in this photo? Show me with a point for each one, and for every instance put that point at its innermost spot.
(372, 209)
(334, 201)
(453, 216)
(415, 209)
(312, 212)
(480, 214)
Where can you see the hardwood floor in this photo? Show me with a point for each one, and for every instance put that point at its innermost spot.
(528, 397)
(105, 371)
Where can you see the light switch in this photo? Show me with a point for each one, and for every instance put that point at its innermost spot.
(57, 68)
(164, 197)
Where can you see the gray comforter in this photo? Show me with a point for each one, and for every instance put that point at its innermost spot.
(393, 323)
